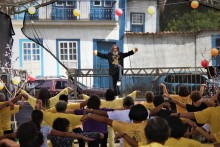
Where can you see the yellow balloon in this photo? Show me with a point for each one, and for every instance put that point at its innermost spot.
(32, 10)
(2, 85)
(16, 80)
(76, 12)
(151, 10)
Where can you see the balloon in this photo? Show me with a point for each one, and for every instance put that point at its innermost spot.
(205, 63)
(30, 78)
(194, 4)
(119, 12)
(16, 80)
(2, 85)
(76, 12)
(214, 52)
(151, 10)
(32, 10)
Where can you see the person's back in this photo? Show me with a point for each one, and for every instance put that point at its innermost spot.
(196, 105)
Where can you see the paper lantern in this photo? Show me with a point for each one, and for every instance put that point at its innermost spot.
(2, 85)
(31, 78)
(205, 63)
(119, 12)
(16, 80)
(194, 4)
(32, 10)
(214, 52)
(76, 12)
(151, 10)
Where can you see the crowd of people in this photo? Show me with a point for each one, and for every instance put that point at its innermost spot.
(182, 120)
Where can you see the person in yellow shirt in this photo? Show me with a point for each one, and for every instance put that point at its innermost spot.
(209, 116)
(7, 109)
(45, 97)
(138, 114)
(157, 132)
(178, 129)
(149, 100)
(183, 96)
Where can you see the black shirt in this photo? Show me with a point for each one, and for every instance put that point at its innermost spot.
(192, 108)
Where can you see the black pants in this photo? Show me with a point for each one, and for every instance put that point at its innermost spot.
(96, 143)
(115, 79)
(80, 141)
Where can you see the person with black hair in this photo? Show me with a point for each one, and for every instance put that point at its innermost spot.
(94, 126)
(182, 96)
(138, 114)
(157, 131)
(37, 118)
(62, 124)
(115, 60)
(178, 129)
(165, 111)
(207, 116)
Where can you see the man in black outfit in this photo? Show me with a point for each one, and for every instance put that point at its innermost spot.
(115, 60)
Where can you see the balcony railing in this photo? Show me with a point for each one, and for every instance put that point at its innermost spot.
(64, 11)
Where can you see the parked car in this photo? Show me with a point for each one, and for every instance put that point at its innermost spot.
(192, 80)
(55, 85)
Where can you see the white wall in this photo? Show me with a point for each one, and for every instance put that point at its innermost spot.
(140, 6)
(168, 50)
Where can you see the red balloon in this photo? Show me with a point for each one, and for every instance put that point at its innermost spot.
(205, 63)
(30, 78)
(119, 12)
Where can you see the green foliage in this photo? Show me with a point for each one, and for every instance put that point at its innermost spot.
(195, 21)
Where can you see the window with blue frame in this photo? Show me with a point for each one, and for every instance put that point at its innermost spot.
(216, 44)
(63, 10)
(102, 10)
(31, 55)
(137, 22)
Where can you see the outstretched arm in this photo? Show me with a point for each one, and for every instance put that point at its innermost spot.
(104, 56)
(205, 134)
(164, 88)
(182, 105)
(98, 112)
(189, 115)
(97, 118)
(131, 141)
(124, 55)
(158, 108)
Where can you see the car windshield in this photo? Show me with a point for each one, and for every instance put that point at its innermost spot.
(38, 84)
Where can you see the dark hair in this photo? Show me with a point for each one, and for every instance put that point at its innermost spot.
(218, 98)
(94, 102)
(128, 101)
(28, 135)
(109, 95)
(183, 91)
(138, 113)
(157, 130)
(149, 96)
(61, 106)
(113, 46)
(63, 97)
(36, 118)
(158, 100)
(61, 124)
(195, 96)
(177, 127)
(44, 96)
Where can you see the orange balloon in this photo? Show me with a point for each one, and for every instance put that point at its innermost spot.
(214, 52)
(194, 4)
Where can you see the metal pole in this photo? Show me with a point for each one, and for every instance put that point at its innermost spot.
(75, 82)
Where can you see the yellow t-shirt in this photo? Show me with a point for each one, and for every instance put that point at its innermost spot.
(217, 137)
(73, 119)
(70, 106)
(210, 116)
(116, 103)
(184, 100)
(5, 114)
(134, 130)
(185, 142)
(154, 144)
(148, 105)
